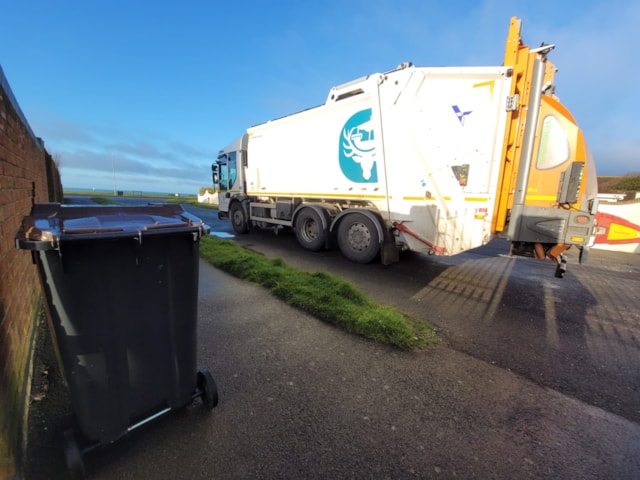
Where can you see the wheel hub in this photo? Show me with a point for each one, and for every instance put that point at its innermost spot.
(310, 230)
(359, 237)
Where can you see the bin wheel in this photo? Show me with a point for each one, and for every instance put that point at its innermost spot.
(208, 389)
(73, 456)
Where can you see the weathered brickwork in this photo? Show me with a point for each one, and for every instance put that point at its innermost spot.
(27, 176)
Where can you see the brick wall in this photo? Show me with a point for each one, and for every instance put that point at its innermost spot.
(28, 175)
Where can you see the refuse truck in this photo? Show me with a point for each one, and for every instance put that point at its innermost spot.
(428, 159)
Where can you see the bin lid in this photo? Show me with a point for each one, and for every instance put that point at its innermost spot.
(52, 223)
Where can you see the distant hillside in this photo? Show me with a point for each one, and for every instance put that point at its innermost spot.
(625, 184)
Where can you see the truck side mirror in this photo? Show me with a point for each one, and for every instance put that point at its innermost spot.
(214, 174)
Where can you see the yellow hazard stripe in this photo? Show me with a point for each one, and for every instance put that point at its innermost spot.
(318, 195)
(476, 199)
(540, 197)
(356, 195)
(416, 199)
(447, 198)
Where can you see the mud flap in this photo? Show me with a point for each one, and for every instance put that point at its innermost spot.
(389, 251)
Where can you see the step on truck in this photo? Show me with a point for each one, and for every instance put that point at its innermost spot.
(428, 159)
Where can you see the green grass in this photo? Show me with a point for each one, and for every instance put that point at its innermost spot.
(324, 296)
(103, 201)
(629, 183)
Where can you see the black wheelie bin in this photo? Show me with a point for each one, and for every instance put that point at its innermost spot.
(121, 285)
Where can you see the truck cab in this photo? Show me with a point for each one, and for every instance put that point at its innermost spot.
(228, 175)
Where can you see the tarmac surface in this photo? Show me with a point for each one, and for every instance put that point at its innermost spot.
(302, 399)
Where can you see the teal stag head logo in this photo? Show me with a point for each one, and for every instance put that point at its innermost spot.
(357, 149)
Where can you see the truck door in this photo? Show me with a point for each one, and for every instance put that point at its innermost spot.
(227, 176)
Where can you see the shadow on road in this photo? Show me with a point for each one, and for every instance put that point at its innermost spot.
(579, 335)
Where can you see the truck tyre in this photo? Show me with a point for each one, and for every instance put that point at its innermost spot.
(358, 238)
(309, 230)
(238, 218)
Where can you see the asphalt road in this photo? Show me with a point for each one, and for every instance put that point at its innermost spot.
(537, 377)
(579, 335)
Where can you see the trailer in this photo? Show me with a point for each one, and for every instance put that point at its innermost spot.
(429, 159)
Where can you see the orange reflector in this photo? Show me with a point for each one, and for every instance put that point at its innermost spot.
(481, 212)
(577, 239)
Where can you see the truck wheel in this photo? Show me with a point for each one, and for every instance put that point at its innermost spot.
(358, 238)
(309, 230)
(238, 218)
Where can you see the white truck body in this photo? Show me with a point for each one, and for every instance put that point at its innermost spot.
(395, 146)
(429, 159)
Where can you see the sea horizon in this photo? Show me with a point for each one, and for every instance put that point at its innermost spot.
(124, 191)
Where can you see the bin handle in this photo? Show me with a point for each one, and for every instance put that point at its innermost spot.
(92, 230)
(165, 225)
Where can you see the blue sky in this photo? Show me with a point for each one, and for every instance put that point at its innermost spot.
(156, 88)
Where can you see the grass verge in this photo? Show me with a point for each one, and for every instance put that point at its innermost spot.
(103, 201)
(137, 193)
(324, 296)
